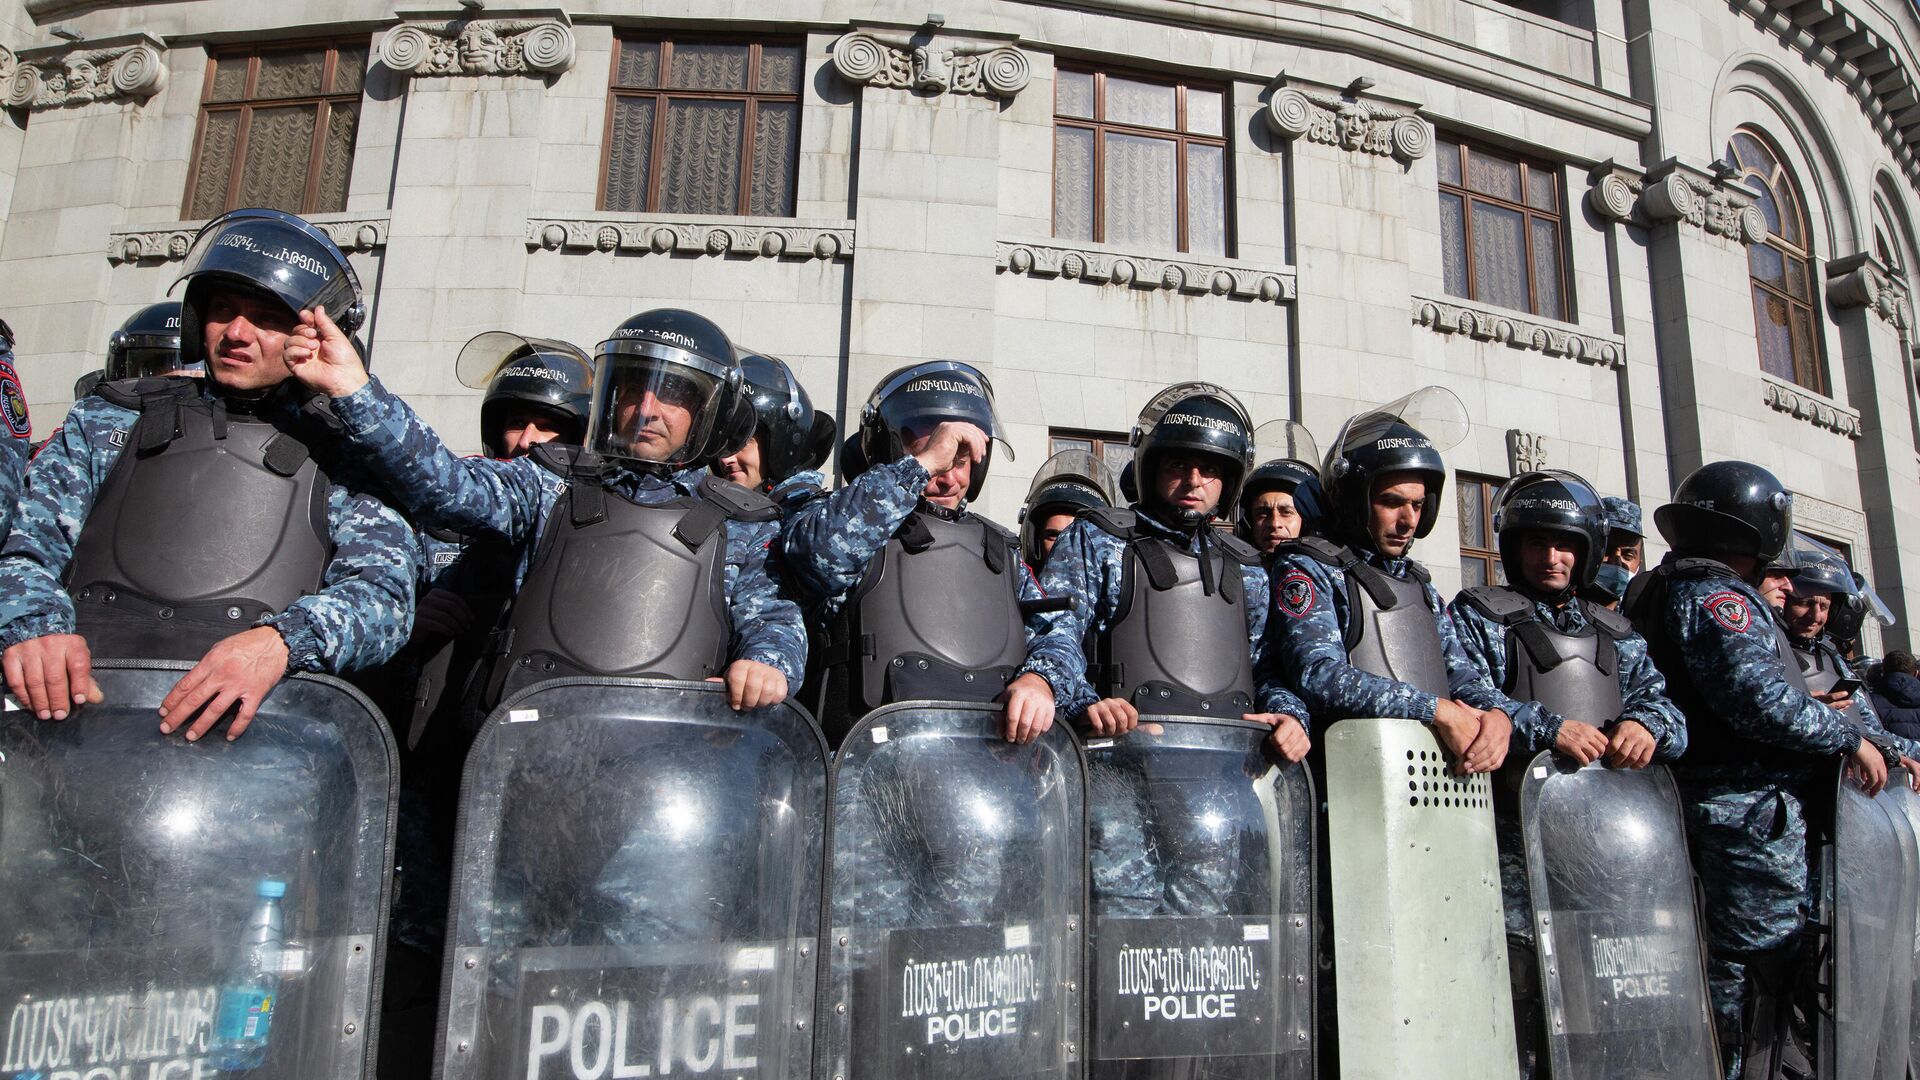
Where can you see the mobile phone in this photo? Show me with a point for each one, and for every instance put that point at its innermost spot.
(1850, 687)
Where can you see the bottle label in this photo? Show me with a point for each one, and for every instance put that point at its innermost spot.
(244, 1014)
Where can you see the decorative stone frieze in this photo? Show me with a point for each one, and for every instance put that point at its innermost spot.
(1346, 121)
(1097, 266)
(713, 236)
(7, 62)
(49, 78)
(1518, 331)
(1526, 451)
(1806, 405)
(1861, 281)
(494, 46)
(169, 242)
(1829, 518)
(1671, 191)
(937, 65)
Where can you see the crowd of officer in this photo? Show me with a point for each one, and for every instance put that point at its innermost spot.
(238, 491)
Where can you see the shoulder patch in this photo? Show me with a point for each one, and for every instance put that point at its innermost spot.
(1729, 609)
(1295, 594)
(13, 404)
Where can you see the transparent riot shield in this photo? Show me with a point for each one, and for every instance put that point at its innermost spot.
(1910, 804)
(1201, 849)
(1420, 941)
(636, 887)
(1622, 963)
(134, 865)
(959, 899)
(1871, 880)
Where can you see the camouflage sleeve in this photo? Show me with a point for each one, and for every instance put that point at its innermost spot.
(1644, 691)
(363, 612)
(1869, 717)
(1052, 653)
(1309, 652)
(766, 624)
(1465, 681)
(1269, 695)
(432, 485)
(1483, 643)
(1074, 570)
(829, 541)
(58, 496)
(1728, 648)
(14, 440)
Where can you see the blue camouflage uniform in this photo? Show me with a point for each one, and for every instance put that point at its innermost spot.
(797, 491)
(360, 617)
(17, 439)
(512, 498)
(1861, 712)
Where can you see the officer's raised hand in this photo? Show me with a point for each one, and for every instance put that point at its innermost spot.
(1582, 742)
(237, 674)
(751, 684)
(950, 444)
(1630, 745)
(1289, 735)
(49, 674)
(1029, 702)
(1112, 716)
(322, 357)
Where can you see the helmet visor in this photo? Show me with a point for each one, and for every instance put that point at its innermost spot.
(137, 362)
(484, 354)
(1074, 467)
(1285, 440)
(653, 409)
(918, 399)
(276, 252)
(1433, 411)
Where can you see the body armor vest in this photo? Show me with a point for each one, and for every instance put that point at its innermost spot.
(207, 522)
(1821, 668)
(1391, 632)
(1574, 675)
(1177, 643)
(620, 588)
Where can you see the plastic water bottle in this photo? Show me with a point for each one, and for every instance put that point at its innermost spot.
(246, 1002)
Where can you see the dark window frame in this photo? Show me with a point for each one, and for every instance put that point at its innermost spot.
(1529, 213)
(1099, 126)
(246, 103)
(1101, 440)
(750, 99)
(1490, 555)
(1782, 176)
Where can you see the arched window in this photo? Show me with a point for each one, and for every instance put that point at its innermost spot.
(1784, 313)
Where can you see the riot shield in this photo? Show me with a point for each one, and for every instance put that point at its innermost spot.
(1420, 940)
(1910, 804)
(1872, 884)
(1622, 965)
(134, 867)
(959, 899)
(1201, 850)
(636, 887)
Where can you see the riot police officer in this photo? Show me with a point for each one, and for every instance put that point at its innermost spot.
(148, 344)
(266, 519)
(1625, 552)
(1268, 511)
(1823, 584)
(791, 439)
(922, 596)
(637, 507)
(1757, 739)
(1068, 484)
(18, 440)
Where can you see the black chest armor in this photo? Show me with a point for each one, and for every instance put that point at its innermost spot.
(1390, 631)
(1574, 675)
(1177, 642)
(207, 522)
(1821, 666)
(618, 588)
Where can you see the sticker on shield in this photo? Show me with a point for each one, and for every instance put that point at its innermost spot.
(1729, 609)
(1180, 988)
(960, 1003)
(13, 404)
(1297, 594)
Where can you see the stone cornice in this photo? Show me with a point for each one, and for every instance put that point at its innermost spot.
(936, 63)
(521, 43)
(1674, 191)
(1518, 330)
(1099, 265)
(663, 234)
(1839, 522)
(1804, 404)
(59, 75)
(1862, 281)
(169, 241)
(1345, 120)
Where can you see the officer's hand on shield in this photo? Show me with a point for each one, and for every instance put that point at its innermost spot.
(51, 674)
(1913, 771)
(949, 444)
(1489, 747)
(1289, 737)
(751, 684)
(1029, 702)
(1868, 767)
(1582, 742)
(322, 357)
(1630, 745)
(1112, 716)
(235, 674)
(1457, 725)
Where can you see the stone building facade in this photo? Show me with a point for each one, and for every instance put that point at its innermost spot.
(1631, 235)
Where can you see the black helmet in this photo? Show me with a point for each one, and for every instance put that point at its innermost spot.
(1851, 612)
(912, 400)
(1290, 459)
(1195, 418)
(1728, 508)
(148, 343)
(1408, 435)
(681, 359)
(550, 376)
(270, 252)
(1554, 501)
(794, 436)
(1067, 483)
(1818, 570)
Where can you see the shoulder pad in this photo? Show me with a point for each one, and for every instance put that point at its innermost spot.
(127, 393)
(1317, 549)
(997, 529)
(1611, 623)
(1117, 520)
(1692, 568)
(1499, 603)
(556, 457)
(1418, 571)
(1236, 549)
(739, 503)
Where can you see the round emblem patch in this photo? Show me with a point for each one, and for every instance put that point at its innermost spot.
(1296, 594)
(13, 405)
(1729, 609)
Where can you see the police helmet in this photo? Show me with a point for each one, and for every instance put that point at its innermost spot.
(1406, 436)
(1851, 612)
(1817, 569)
(681, 360)
(1195, 418)
(1551, 501)
(268, 252)
(148, 343)
(913, 400)
(794, 436)
(1728, 508)
(1068, 482)
(544, 375)
(1290, 458)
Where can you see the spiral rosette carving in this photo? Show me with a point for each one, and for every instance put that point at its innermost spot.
(548, 47)
(1670, 198)
(24, 86)
(139, 72)
(1612, 197)
(1290, 113)
(1005, 71)
(406, 48)
(1412, 138)
(859, 57)
(1753, 225)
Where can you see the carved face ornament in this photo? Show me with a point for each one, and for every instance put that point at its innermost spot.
(480, 49)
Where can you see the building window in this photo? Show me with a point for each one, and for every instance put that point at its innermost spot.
(1140, 162)
(700, 126)
(277, 129)
(1479, 545)
(1109, 447)
(1784, 315)
(1500, 229)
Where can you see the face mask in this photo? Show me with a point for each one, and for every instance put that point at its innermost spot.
(1611, 580)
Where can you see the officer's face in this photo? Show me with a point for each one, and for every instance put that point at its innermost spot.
(1807, 615)
(1274, 518)
(1189, 484)
(1051, 528)
(654, 416)
(244, 334)
(1776, 589)
(1546, 560)
(947, 489)
(524, 430)
(742, 468)
(1394, 512)
(1624, 551)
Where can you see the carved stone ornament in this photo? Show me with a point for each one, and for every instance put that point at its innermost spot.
(1812, 408)
(1829, 518)
(480, 47)
(1345, 121)
(1518, 331)
(729, 236)
(1526, 451)
(7, 62)
(1858, 281)
(938, 65)
(1098, 267)
(1676, 192)
(53, 77)
(169, 243)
